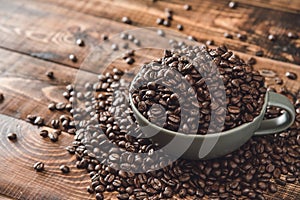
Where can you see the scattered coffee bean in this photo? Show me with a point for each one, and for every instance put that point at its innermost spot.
(12, 136)
(39, 121)
(53, 137)
(160, 32)
(124, 36)
(104, 37)
(73, 58)
(129, 60)
(44, 133)
(251, 61)
(259, 53)
(50, 74)
(159, 21)
(80, 42)
(114, 47)
(60, 106)
(209, 42)
(1, 97)
(166, 23)
(187, 7)
(292, 35)
(126, 20)
(271, 37)
(241, 37)
(52, 106)
(180, 27)
(228, 35)
(137, 42)
(65, 169)
(291, 75)
(39, 166)
(232, 4)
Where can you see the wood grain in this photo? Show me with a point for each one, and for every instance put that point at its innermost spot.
(210, 20)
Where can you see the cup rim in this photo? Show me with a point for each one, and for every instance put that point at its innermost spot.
(211, 135)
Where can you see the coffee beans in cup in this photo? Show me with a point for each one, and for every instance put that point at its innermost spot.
(193, 70)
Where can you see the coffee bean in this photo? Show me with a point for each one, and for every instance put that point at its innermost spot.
(104, 37)
(44, 133)
(292, 35)
(228, 35)
(50, 74)
(280, 182)
(51, 106)
(53, 137)
(114, 47)
(166, 23)
(209, 42)
(39, 121)
(232, 4)
(12, 136)
(241, 37)
(129, 60)
(271, 37)
(160, 32)
(187, 7)
(179, 27)
(99, 196)
(159, 21)
(259, 53)
(60, 106)
(80, 42)
(291, 75)
(73, 58)
(126, 20)
(273, 188)
(1, 97)
(39, 166)
(65, 169)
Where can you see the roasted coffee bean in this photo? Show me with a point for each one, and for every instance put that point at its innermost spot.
(129, 60)
(104, 37)
(80, 42)
(39, 121)
(51, 106)
(126, 20)
(53, 136)
(39, 166)
(271, 37)
(114, 47)
(232, 4)
(12, 136)
(291, 75)
(180, 27)
(73, 58)
(1, 97)
(259, 53)
(159, 21)
(60, 106)
(273, 188)
(44, 133)
(160, 32)
(241, 37)
(228, 35)
(50, 74)
(187, 7)
(166, 23)
(292, 35)
(99, 196)
(65, 169)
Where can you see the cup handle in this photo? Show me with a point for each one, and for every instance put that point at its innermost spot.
(278, 124)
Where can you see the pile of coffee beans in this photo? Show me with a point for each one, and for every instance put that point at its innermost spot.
(260, 167)
(164, 81)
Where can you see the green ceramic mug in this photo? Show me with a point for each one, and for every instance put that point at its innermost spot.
(218, 144)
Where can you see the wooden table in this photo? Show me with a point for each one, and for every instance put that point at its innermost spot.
(38, 35)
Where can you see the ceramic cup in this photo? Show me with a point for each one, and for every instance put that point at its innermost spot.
(219, 144)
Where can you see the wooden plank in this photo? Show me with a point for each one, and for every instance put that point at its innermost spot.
(49, 32)
(209, 20)
(27, 90)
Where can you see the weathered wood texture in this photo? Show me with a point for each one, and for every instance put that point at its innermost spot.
(37, 36)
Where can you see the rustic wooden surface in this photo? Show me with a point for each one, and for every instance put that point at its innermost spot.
(38, 35)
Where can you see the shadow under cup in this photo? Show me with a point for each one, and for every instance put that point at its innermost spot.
(214, 145)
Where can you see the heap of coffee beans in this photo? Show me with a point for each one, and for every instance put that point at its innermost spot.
(164, 81)
(256, 170)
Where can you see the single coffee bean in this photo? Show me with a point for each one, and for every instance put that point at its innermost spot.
(241, 37)
(187, 7)
(271, 37)
(166, 23)
(104, 37)
(292, 35)
(228, 35)
(12, 136)
(232, 4)
(209, 42)
(60, 106)
(129, 60)
(73, 58)
(50, 74)
(272, 187)
(65, 169)
(114, 47)
(53, 137)
(1, 97)
(99, 196)
(39, 166)
(291, 75)
(159, 21)
(39, 121)
(126, 20)
(160, 32)
(80, 42)
(44, 133)
(179, 27)
(259, 53)
(51, 106)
